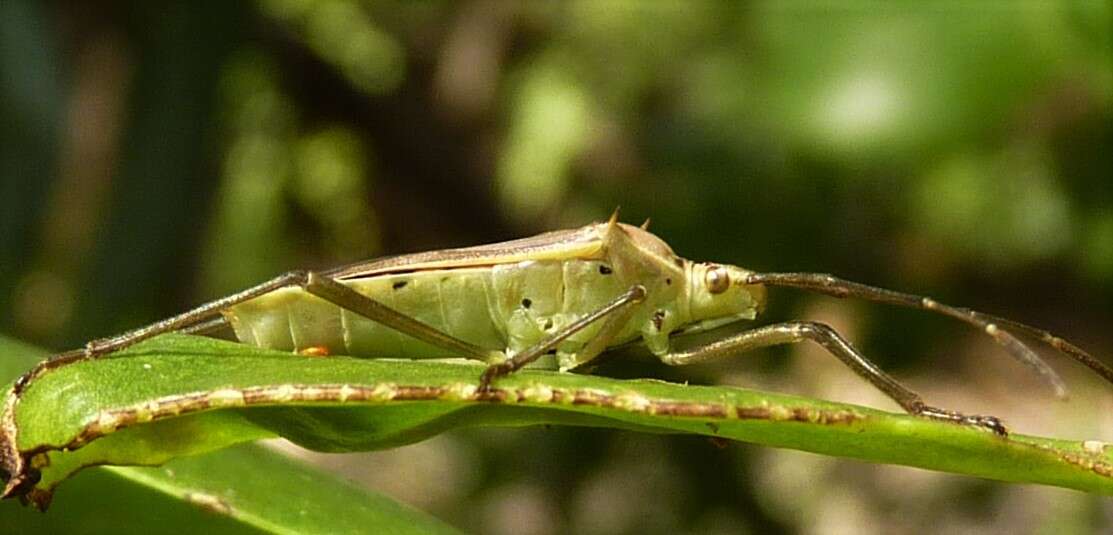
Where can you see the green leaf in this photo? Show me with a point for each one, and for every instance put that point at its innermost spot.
(267, 490)
(180, 395)
(242, 489)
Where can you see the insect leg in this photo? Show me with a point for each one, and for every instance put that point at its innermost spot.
(207, 327)
(822, 334)
(994, 326)
(342, 296)
(206, 317)
(617, 312)
(197, 317)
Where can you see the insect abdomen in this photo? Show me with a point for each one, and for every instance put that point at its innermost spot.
(501, 307)
(453, 301)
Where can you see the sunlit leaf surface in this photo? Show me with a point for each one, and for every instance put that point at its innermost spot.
(242, 489)
(180, 395)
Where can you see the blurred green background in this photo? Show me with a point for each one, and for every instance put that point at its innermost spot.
(153, 156)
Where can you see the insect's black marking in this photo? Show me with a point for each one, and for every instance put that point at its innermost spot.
(551, 352)
(605, 269)
(527, 302)
(658, 319)
(548, 324)
(399, 285)
(668, 281)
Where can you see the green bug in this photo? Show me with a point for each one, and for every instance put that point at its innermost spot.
(571, 293)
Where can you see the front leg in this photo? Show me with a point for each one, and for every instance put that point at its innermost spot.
(822, 334)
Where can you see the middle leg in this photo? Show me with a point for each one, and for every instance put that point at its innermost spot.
(617, 313)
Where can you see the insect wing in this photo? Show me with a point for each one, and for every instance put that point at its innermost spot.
(584, 242)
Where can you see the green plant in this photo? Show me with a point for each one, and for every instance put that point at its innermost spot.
(183, 399)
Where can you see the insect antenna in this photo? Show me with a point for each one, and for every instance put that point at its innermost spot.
(1060, 344)
(994, 326)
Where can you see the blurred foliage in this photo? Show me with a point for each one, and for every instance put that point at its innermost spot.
(154, 157)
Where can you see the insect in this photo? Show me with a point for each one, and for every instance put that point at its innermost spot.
(571, 293)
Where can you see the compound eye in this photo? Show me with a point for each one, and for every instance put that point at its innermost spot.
(717, 280)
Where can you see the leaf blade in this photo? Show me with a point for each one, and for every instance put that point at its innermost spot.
(310, 502)
(215, 492)
(229, 393)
